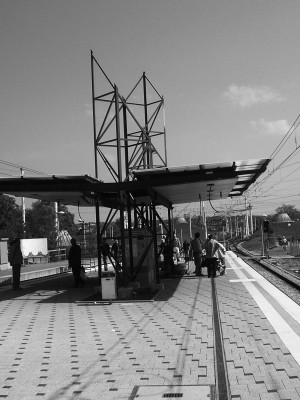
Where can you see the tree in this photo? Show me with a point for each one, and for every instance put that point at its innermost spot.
(10, 218)
(290, 210)
(40, 221)
(66, 220)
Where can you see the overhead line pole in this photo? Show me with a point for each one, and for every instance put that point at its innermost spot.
(23, 209)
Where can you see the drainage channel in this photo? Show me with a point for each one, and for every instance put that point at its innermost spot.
(219, 391)
(222, 387)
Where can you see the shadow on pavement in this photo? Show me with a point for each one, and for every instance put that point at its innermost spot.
(59, 289)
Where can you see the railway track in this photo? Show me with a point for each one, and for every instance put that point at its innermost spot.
(287, 281)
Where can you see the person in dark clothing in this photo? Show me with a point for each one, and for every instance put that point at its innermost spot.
(105, 250)
(162, 243)
(197, 253)
(74, 259)
(115, 248)
(186, 250)
(176, 248)
(168, 257)
(16, 261)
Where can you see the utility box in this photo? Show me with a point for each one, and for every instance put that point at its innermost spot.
(143, 255)
(108, 285)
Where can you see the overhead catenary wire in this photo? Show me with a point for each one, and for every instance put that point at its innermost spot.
(283, 166)
(280, 181)
(286, 137)
(19, 167)
(257, 190)
(278, 148)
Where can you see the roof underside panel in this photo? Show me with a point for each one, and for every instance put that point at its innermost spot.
(166, 186)
(69, 198)
(207, 181)
(192, 192)
(69, 190)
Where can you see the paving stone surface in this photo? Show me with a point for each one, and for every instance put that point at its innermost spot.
(55, 346)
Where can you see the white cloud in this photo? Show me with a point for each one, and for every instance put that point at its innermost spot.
(247, 96)
(270, 127)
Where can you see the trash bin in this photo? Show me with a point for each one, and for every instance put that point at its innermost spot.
(108, 285)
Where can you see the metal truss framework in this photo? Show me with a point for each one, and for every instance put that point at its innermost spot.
(127, 137)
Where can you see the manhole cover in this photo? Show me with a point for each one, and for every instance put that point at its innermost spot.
(184, 392)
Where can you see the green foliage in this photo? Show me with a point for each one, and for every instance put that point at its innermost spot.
(66, 220)
(290, 210)
(289, 230)
(10, 218)
(40, 221)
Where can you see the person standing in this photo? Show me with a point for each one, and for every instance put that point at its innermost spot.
(284, 242)
(186, 250)
(168, 257)
(197, 253)
(162, 243)
(16, 261)
(221, 260)
(211, 246)
(176, 249)
(105, 251)
(74, 259)
(115, 248)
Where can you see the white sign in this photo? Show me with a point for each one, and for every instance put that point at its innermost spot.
(34, 247)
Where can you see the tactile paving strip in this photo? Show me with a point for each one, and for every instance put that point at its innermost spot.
(257, 359)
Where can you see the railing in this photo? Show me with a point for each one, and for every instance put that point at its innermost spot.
(36, 259)
(57, 255)
(295, 248)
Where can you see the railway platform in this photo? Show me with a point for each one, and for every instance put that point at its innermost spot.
(232, 337)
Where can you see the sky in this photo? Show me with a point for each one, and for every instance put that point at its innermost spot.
(228, 71)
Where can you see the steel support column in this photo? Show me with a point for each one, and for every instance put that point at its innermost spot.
(136, 146)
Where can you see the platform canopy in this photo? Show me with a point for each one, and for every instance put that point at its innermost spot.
(165, 186)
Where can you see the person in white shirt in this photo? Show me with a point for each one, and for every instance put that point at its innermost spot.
(211, 246)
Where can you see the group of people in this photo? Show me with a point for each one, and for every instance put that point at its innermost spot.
(74, 258)
(210, 254)
(107, 251)
(283, 242)
(171, 249)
